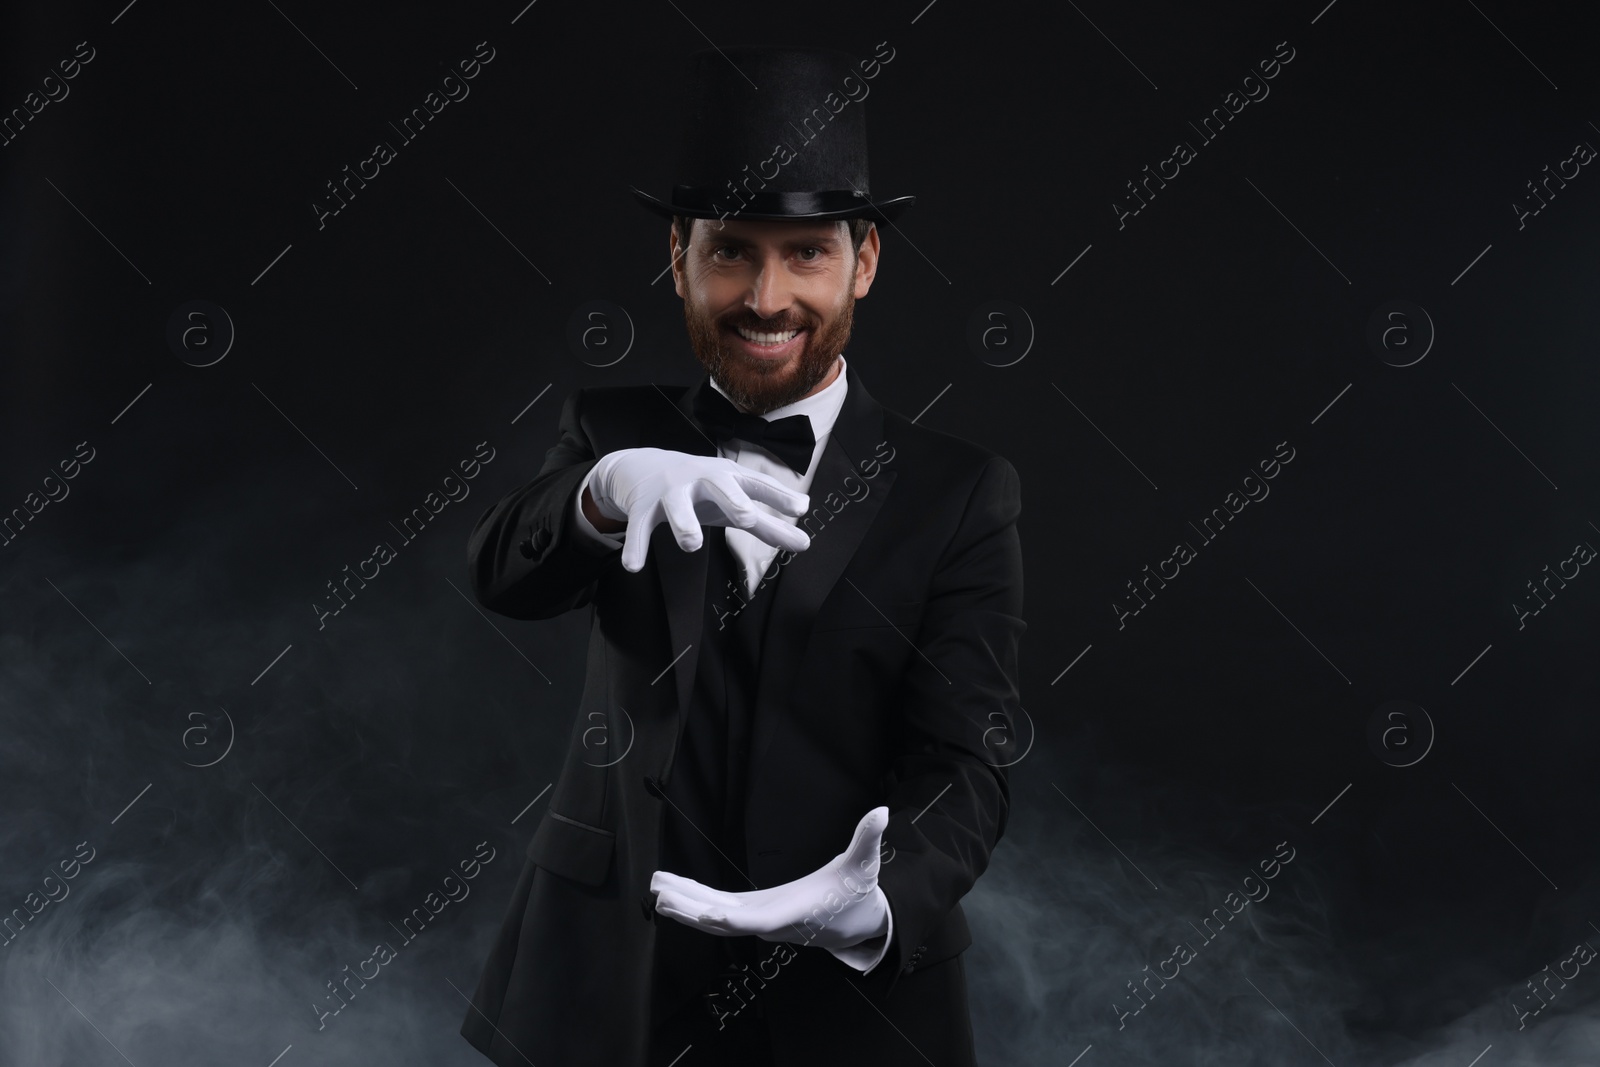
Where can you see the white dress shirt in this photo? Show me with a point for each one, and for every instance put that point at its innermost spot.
(822, 408)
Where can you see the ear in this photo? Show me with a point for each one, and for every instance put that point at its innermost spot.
(677, 261)
(867, 262)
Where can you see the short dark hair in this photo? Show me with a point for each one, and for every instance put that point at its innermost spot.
(858, 230)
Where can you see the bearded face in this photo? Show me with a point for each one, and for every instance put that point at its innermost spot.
(770, 305)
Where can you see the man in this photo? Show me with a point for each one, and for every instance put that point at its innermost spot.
(805, 615)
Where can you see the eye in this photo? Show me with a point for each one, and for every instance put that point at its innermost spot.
(716, 252)
(811, 248)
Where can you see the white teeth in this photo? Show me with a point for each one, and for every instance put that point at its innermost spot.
(765, 338)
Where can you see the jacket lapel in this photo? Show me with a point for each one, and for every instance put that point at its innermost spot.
(837, 527)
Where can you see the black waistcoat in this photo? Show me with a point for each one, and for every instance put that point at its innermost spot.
(702, 834)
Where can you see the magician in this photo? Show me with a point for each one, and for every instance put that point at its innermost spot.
(805, 612)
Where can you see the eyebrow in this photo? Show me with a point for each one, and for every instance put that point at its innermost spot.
(830, 240)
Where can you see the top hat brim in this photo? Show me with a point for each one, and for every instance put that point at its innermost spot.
(785, 208)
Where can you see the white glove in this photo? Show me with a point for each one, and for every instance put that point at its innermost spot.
(834, 907)
(646, 485)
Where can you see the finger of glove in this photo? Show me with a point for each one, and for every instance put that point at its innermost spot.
(699, 914)
(781, 907)
(751, 902)
(687, 888)
(867, 843)
(757, 909)
(678, 883)
(763, 487)
(721, 495)
(636, 541)
(780, 533)
(678, 504)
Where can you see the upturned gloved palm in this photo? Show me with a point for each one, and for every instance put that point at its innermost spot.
(849, 881)
(646, 485)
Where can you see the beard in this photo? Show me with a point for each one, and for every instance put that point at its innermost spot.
(756, 386)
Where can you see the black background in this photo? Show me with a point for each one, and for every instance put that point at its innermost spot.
(1229, 316)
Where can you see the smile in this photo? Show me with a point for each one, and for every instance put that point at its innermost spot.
(769, 345)
(766, 338)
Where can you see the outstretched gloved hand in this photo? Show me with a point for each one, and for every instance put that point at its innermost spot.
(834, 907)
(646, 485)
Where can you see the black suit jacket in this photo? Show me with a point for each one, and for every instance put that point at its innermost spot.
(888, 676)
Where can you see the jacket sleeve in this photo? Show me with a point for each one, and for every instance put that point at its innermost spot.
(948, 795)
(526, 557)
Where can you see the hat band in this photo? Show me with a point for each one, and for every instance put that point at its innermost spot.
(767, 202)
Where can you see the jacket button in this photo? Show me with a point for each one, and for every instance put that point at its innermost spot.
(908, 968)
(648, 906)
(533, 545)
(652, 785)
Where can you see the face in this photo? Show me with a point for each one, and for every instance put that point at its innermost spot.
(769, 305)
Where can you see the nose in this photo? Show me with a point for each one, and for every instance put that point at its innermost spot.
(770, 292)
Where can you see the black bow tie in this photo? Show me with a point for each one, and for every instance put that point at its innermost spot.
(789, 438)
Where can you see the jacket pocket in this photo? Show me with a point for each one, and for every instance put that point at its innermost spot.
(572, 849)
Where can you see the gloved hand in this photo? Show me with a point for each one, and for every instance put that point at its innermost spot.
(645, 485)
(848, 883)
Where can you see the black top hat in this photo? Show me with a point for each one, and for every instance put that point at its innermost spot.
(775, 132)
